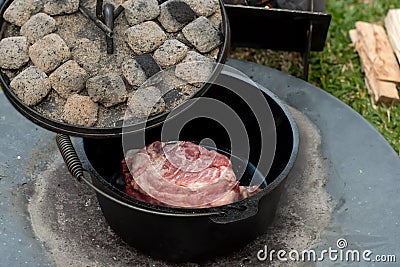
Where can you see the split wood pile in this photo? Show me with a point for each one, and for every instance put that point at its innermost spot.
(379, 52)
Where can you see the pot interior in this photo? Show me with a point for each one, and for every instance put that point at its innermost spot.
(105, 155)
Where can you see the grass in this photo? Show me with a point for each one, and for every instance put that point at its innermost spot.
(337, 69)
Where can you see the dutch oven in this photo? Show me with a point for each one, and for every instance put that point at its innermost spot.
(172, 233)
(189, 234)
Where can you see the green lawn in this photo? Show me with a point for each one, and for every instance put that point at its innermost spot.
(337, 69)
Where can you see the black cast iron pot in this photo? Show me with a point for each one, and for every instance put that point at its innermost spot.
(106, 132)
(182, 234)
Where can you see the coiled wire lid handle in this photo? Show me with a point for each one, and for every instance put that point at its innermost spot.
(75, 167)
(70, 157)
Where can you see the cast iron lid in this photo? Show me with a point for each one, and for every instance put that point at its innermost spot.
(105, 132)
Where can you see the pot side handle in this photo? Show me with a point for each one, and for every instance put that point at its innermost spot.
(237, 212)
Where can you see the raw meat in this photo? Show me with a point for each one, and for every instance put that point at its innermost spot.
(181, 174)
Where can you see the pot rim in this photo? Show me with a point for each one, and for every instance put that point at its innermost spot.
(104, 132)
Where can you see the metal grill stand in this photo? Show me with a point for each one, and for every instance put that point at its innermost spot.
(280, 29)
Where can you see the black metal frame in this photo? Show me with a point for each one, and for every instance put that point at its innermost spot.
(280, 29)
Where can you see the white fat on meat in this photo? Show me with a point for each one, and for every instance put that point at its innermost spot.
(183, 174)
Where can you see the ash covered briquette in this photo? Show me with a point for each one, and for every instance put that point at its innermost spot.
(170, 53)
(20, 11)
(138, 11)
(49, 52)
(13, 52)
(57, 61)
(203, 8)
(146, 102)
(59, 7)
(38, 26)
(145, 37)
(194, 68)
(175, 15)
(80, 110)
(140, 68)
(31, 86)
(202, 34)
(108, 89)
(68, 79)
